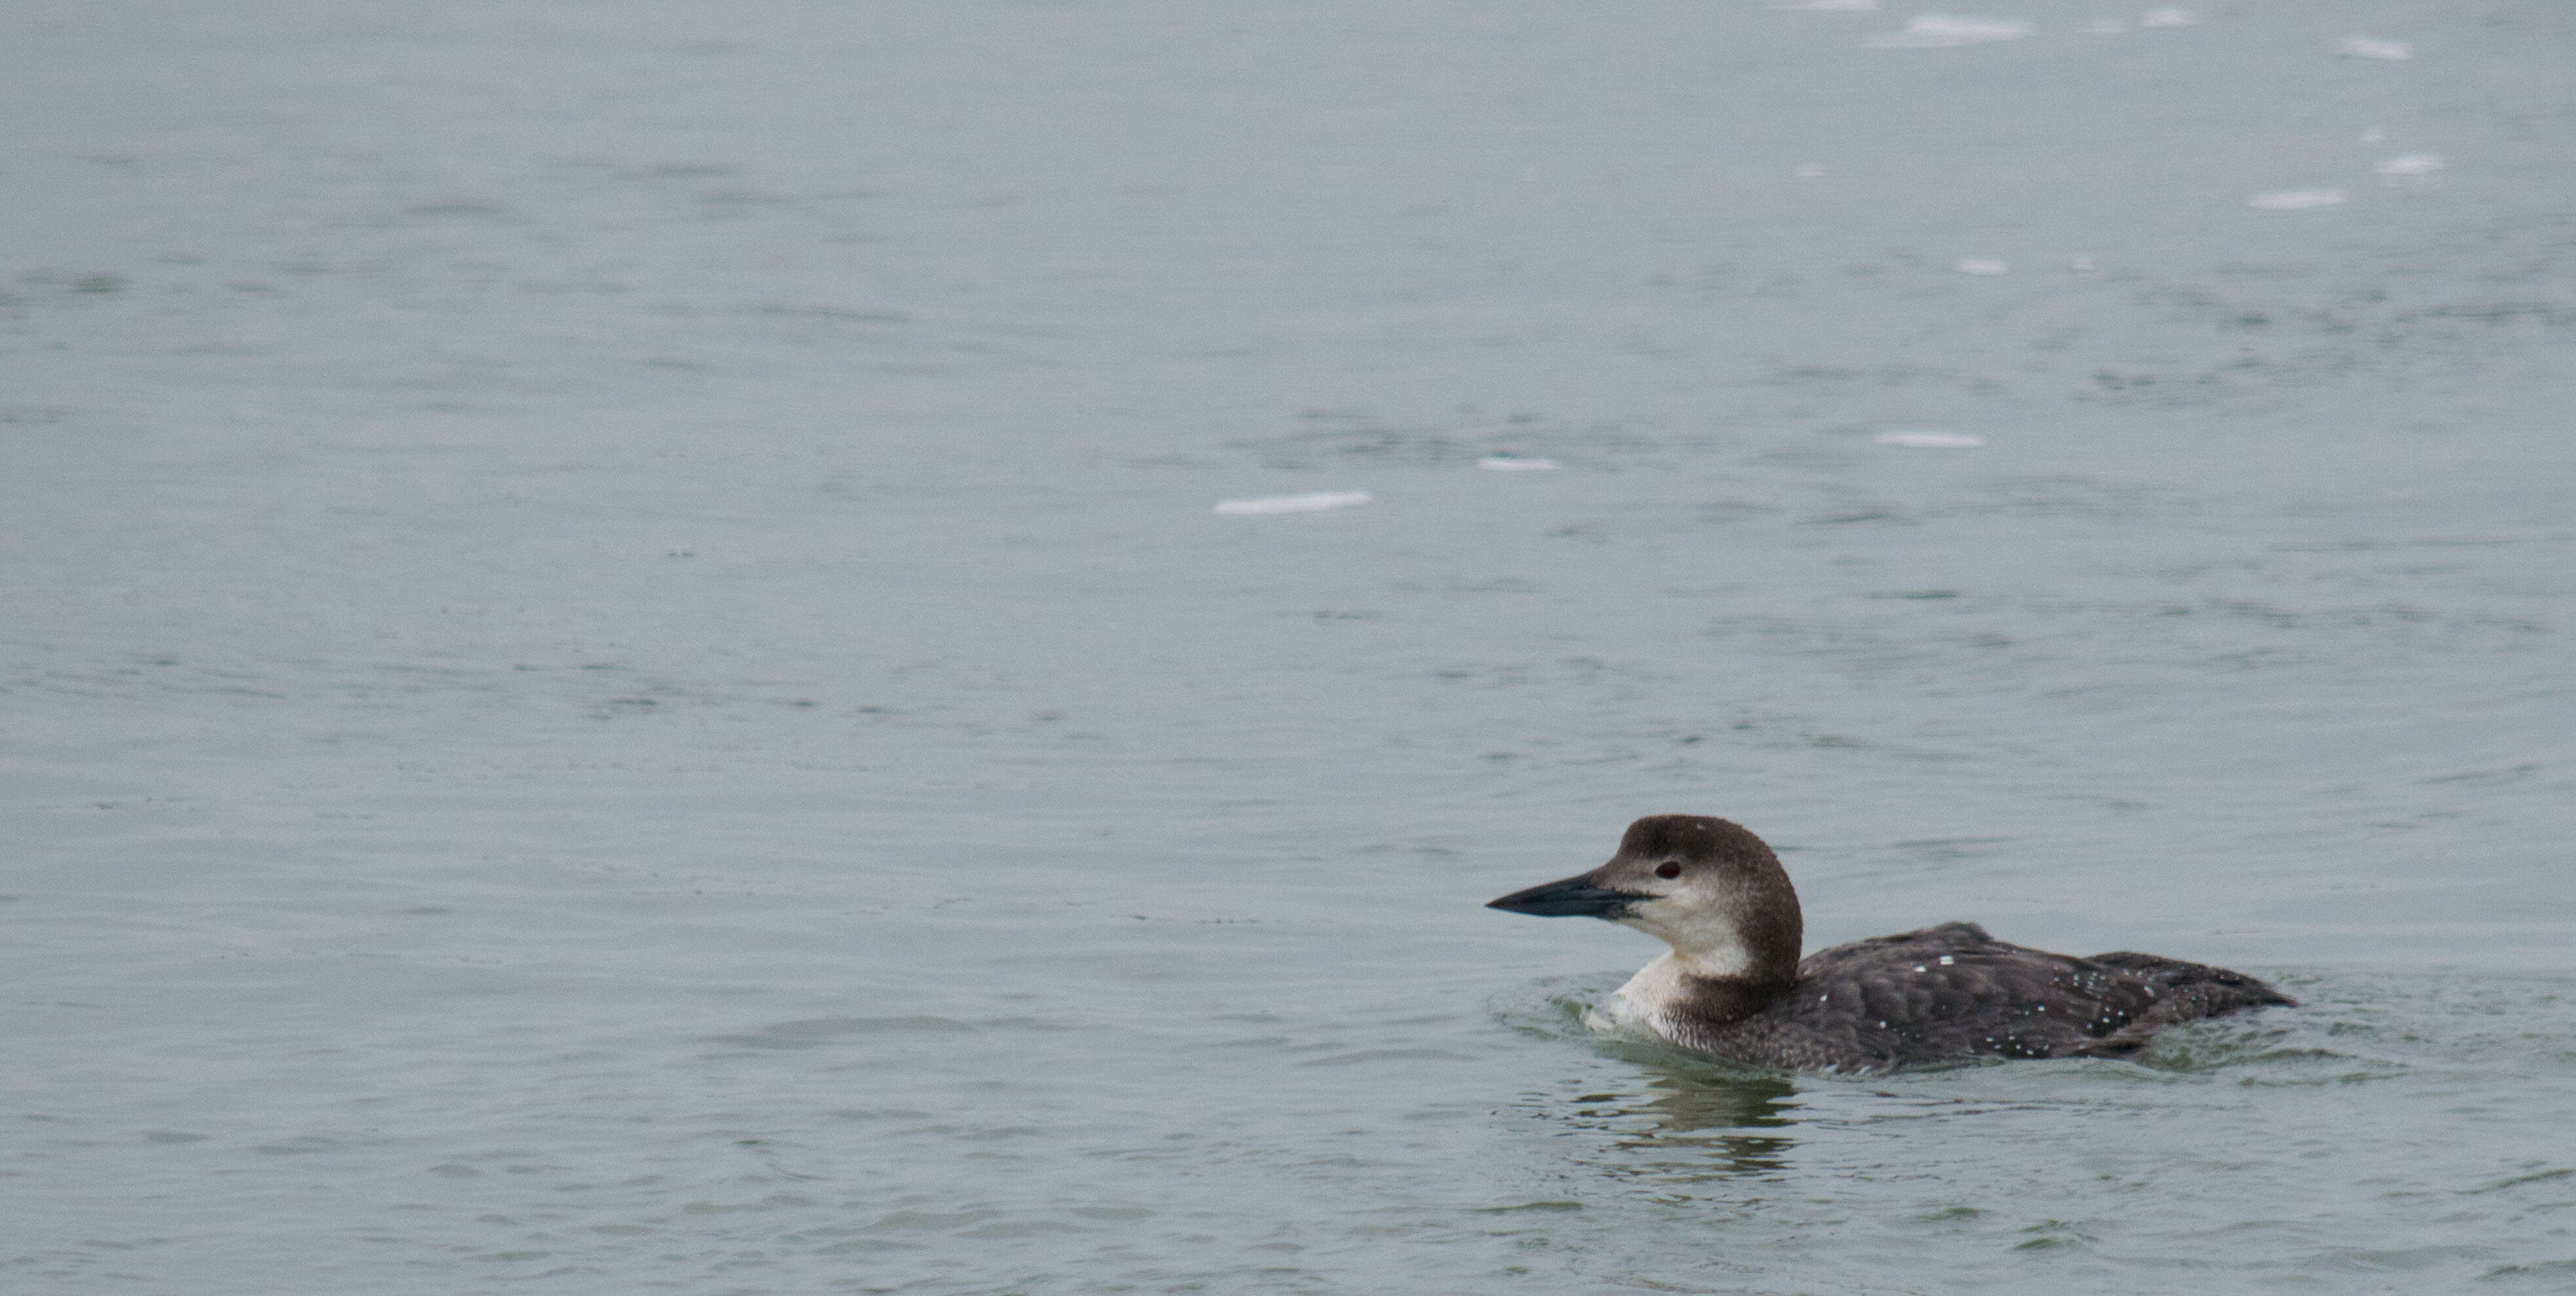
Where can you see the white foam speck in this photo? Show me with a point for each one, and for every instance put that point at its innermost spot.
(1928, 439)
(1944, 31)
(2168, 18)
(2081, 265)
(1314, 502)
(2373, 136)
(1984, 266)
(1616, 1016)
(1514, 463)
(2371, 47)
(1811, 171)
(2296, 199)
(2412, 164)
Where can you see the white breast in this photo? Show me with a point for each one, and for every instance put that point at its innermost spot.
(1654, 996)
(1656, 989)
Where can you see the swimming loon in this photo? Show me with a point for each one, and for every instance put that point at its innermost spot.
(1734, 985)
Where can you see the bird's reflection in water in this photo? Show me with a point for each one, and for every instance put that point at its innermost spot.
(1711, 1118)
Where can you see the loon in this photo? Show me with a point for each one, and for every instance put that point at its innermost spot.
(1734, 986)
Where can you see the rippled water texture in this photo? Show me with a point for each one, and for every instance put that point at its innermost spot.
(620, 668)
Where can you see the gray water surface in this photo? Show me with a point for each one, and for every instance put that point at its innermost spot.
(618, 671)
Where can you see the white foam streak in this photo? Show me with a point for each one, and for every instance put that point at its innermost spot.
(2296, 199)
(1514, 463)
(1929, 439)
(2371, 47)
(1312, 502)
(1945, 31)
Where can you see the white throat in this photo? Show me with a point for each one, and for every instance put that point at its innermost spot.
(1704, 944)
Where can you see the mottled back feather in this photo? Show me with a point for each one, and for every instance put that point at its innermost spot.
(1952, 992)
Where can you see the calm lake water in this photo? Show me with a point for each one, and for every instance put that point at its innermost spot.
(620, 672)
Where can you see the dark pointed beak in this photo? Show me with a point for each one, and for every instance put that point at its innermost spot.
(1575, 897)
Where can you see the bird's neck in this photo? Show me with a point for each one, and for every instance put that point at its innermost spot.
(1705, 989)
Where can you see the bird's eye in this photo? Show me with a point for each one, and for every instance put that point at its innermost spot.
(1668, 869)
